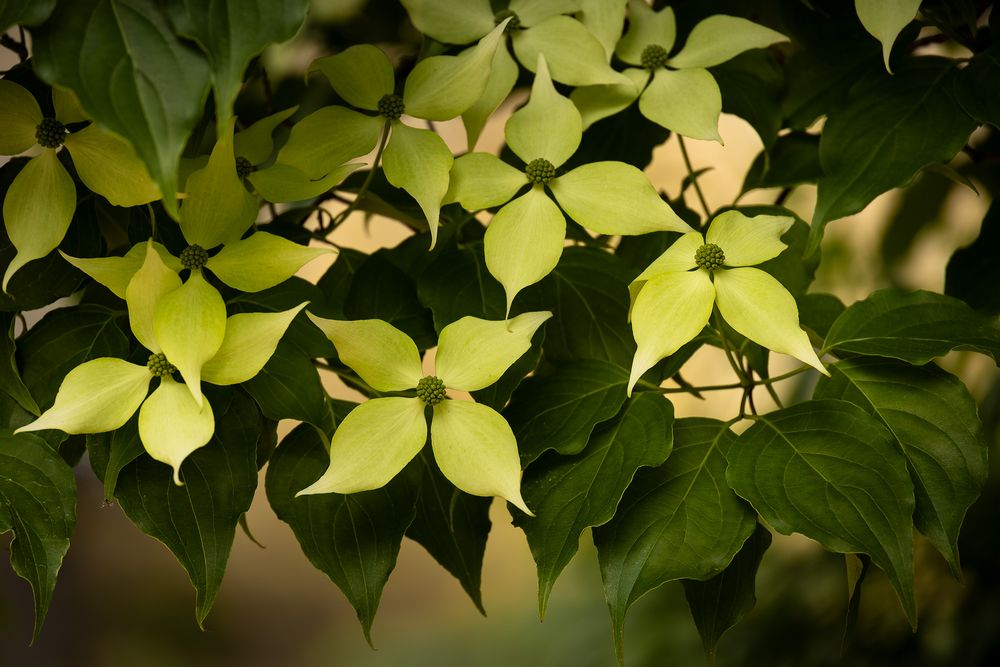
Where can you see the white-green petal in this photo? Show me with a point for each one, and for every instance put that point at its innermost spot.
(605, 20)
(328, 138)
(574, 56)
(250, 340)
(154, 280)
(172, 425)
(670, 310)
(451, 22)
(37, 210)
(482, 180)
(718, 38)
(190, 324)
(759, 307)
(533, 12)
(418, 161)
(646, 27)
(282, 183)
(256, 143)
(261, 261)
(614, 198)
(444, 87)
(67, 106)
(361, 75)
(116, 272)
(374, 442)
(385, 357)
(748, 241)
(885, 19)
(108, 165)
(218, 209)
(685, 101)
(548, 126)
(476, 450)
(19, 118)
(473, 353)
(597, 102)
(524, 241)
(97, 396)
(503, 76)
(678, 257)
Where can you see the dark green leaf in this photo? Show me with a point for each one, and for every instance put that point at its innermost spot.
(27, 12)
(457, 284)
(560, 410)
(354, 539)
(452, 526)
(379, 290)
(751, 85)
(588, 296)
(890, 128)
(977, 86)
(627, 137)
(10, 378)
(935, 422)
(498, 393)
(829, 470)
(288, 387)
(38, 504)
(572, 493)
(818, 311)
(336, 282)
(678, 521)
(912, 326)
(132, 74)
(720, 602)
(793, 160)
(197, 521)
(114, 451)
(302, 333)
(231, 32)
(973, 271)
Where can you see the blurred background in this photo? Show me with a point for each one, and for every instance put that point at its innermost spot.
(123, 600)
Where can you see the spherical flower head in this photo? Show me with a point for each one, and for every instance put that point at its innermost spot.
(430, 390)
(503, 15)
(243, 167)
(194, 257)
(391, 106)
(50, 133)
(159, 366)
(709, 257)
(540, 171)
(653, 57)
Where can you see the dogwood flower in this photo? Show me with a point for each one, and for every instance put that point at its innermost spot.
(184, 326)
(525, 239)
(677, 92)
(674, 297)
(40, 203)
(472, 444)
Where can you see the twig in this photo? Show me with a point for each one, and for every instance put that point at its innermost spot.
(694, 178)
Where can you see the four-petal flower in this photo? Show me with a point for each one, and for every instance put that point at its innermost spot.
(674, 297)
(472, 444)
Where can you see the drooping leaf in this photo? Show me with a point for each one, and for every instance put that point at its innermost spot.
(28, 12)
(197, 521)
(571, 494)
(677, 521)
(559, 411)
(793, 159)
(157, 85)
(934, 419)
(751, 85)
(10, 377)
(114, 451)
(354, 539)
(851, 493)
(457, 284)
(37, 504)
(912, 326)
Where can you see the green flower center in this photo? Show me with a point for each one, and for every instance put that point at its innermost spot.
(709, 257)
(540, 170)
(243, 167)
(653, 57)
(503, 15)
(391, 106)
(50, 133)
(194, 257)
(430, 390)
(159, 366)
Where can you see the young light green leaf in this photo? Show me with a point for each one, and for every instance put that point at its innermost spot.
(36, 223)
(250, 340)
(548, 126)
(935, 422)
(327, 138)
(418, 161)
(614, 198)
(852, 493)
(360, 74)
(281, 183)
(143, 292)
(172, 424)
(473, 353)
(384, 357)
(108, 165)
(885, 19)
(255, 143)
(574, 55)
(604, 19)
(503, 75)
(718, 38)
(678, 521)
(482, 180)
(646, 27)
(451, 23)
(261, 261)
(19, 116)
(476, 450)
(571, 494)
(686, 101)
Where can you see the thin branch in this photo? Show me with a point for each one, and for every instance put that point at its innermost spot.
(694, 178)
(368, 179)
